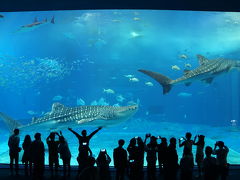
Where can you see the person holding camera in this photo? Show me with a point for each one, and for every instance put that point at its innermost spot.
(65, 154)
(14, 149)
(186, 142)
(53, 151)
(151, 149)
(221, 154)
(103, 161)
(199, 153)
(162, 153)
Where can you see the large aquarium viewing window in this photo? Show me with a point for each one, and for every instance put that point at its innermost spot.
(131, 71)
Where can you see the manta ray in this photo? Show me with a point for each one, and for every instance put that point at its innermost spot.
(205, 72)
(62, 117)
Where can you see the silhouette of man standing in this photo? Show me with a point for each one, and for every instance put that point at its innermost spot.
(120, 160)
(14, 149)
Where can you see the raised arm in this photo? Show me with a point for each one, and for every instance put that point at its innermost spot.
(94, 132)
(194, 141)
(74, 132)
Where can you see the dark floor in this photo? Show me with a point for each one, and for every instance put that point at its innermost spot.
(234, 174)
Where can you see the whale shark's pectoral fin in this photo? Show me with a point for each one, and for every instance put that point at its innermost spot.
(208, 80)
(202, 60)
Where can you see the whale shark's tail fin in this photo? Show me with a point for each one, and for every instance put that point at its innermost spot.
(163, 80)
(11, 123)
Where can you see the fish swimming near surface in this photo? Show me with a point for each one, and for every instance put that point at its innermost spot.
(36, 24)
(205, 72)
(62, 117)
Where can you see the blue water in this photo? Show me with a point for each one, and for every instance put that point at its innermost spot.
(85, 52)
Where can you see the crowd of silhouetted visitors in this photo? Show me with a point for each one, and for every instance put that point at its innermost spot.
(129, 163)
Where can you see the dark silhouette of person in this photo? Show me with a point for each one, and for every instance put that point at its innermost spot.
(172, 160)
(53, 151)
(151, 149)
(14, 149)
(90, 172)
(38, 154)
(84, 138)
(120, 160)
(26, 158)
(209, 165)
(103, 161)
(186, 165)
(136, 158)
(84, 150)
(65, 154)
(199, 153)
(162, 153)
(187, 143)
(222, 164)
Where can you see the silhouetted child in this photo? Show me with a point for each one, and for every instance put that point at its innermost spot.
(132, 151)
(103, 161)
(90, 172)
(187, 143)
(120, 160)
(38, 154)
(186, 165)
(53, 151)
(209, 165)
(26, 158)
(222, 164)
(14, 149)
(151, 149)
(162, 153)
(65, 154)
(172, 160)
(199, 153)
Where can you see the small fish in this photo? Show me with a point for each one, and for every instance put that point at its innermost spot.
(136, 19)
(175, 67)
(108, 91)
(57, 98)
(184, 94)
(183, 56)
(120, 98)
(116, 20)
(149, 83)
(134, 79)
(135, 34)
(30, 112)
(129, 76)
(188, 65)
(1, 16)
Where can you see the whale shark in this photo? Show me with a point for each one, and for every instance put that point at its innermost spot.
(205, 72)
(62, 117)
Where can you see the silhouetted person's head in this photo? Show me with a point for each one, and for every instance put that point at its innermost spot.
(52, 136)
(61, 139)
(133, 142)
(27, 138)
(121, 142)
(153, 140)
(220, 144)
(173, 141)
(84, 133)
(208, 151)
(37, 136)
(16, 131)
(188, 135)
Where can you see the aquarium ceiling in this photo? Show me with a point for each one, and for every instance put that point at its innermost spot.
(43, 5)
